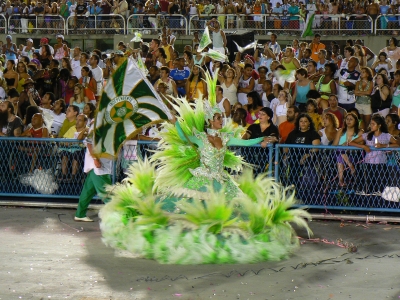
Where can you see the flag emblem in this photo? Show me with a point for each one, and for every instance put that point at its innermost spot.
(120, 109)
(128, 103)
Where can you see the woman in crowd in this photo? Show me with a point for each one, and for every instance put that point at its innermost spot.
(10, 75)
(392, 122)
(328, 133)
(28, 49)
(30, 111)
(302, 163)
(281, 109)
(258, 84)
(223, 102)
(61, 49)
(382, 61)
(296, 48)
(66, 64)
(375, 161)
(290, 62)
(22, 71)
(229, 82)
(381, 100)
(89, 83)
(362, 91)
(198, 59)
(265, 128)
(344, 136)
(188, 56)
(359, 53)
(395, 92)
(195, 85)
(63, 78)
(161, 57)
(361, 124)
(302, 86)
(393, 164)
(79, 99)
(312, 111)
(326, 85)
(253, 107)
(392, 51)
(45, 57)
(89, 110)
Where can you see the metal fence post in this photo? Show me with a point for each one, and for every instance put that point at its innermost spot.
(271, 159)
(276, 162)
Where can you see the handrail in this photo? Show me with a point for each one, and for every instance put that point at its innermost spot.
(29, 17)
(236, 27)
(102, 17)
(158, 16)
(188, 28)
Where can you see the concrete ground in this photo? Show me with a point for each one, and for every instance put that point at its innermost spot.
(46, 255)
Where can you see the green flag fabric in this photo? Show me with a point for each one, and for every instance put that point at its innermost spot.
(308, 26)
(205, 40)
(128, 102)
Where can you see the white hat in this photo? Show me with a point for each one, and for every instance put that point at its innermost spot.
(60, 36)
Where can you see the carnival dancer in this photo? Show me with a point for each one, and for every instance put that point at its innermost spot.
(183, 207)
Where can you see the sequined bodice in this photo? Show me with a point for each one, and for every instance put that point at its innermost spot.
(211, 158)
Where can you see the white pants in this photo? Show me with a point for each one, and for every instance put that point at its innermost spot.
(24, 25)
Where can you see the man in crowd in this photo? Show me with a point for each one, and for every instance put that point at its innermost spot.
(10, 124)
(180, 75)
(312, 71)
(286, 127)
(274, 46)
(333, 108)
(73, 151)
(347, 78)
(70, 119)
(154, 74)
(97, 73)
(348, 53)
(265, 58)
(76, 63)
(315, 46)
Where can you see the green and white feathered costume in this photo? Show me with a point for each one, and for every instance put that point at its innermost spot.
(184, 208)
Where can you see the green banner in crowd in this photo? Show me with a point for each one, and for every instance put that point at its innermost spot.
(128, 103)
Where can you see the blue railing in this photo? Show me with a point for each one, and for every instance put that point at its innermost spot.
(329, 177)
(338, 177)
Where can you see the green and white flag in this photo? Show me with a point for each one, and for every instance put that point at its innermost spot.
(205, 40)
(128, 102)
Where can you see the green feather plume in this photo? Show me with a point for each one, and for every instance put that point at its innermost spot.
(212, 87)
(267, 204)
(216, 212)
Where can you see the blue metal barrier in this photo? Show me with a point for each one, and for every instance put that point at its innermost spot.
(337, 177)
(35, 168)
(32, 167)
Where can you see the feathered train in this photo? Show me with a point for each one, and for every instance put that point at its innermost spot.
(248, 229)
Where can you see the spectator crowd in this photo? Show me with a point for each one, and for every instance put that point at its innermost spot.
(303, 93)
(259, 15)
